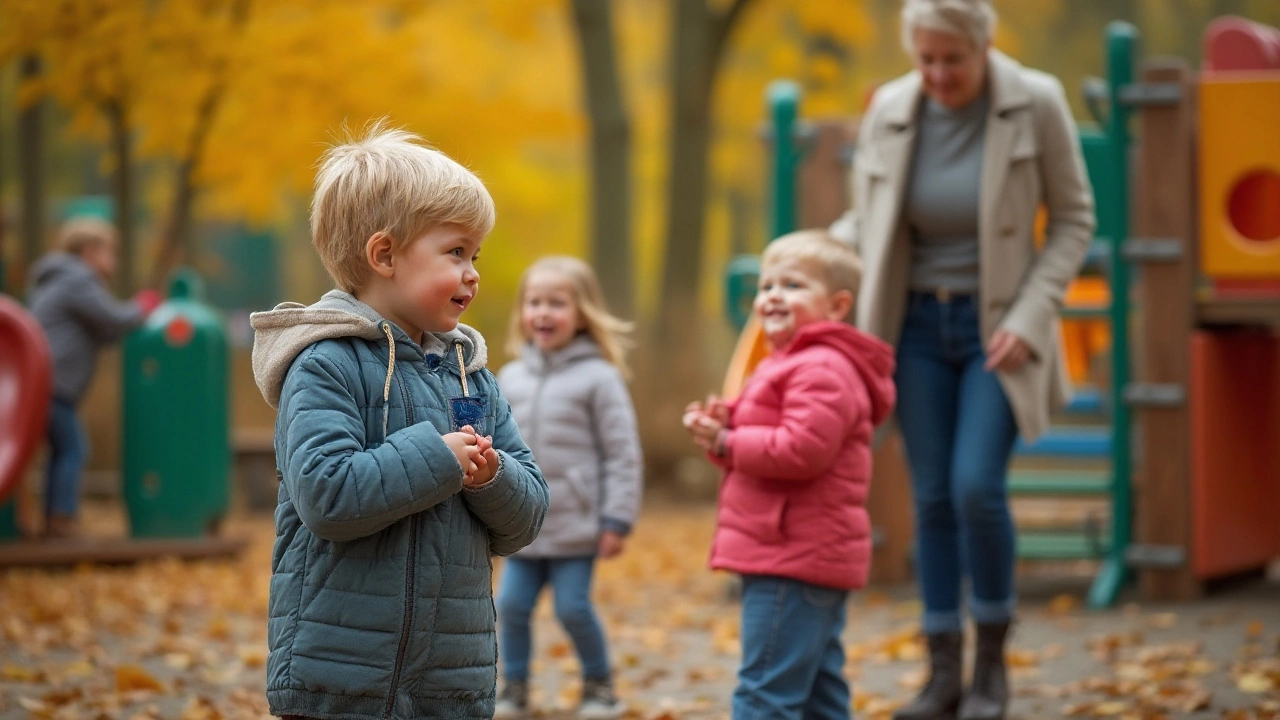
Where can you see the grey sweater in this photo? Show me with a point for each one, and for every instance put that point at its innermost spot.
(574, 410)
(79, 316)
(942, 196)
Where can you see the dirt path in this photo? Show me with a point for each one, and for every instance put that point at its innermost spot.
(171, 640)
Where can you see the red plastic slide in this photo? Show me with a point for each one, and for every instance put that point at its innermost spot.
(26, 378)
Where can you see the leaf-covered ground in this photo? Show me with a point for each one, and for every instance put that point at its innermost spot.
(188, 640)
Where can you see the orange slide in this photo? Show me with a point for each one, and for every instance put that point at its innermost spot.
(26, 379)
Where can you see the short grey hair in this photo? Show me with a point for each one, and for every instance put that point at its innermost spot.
(971, 19)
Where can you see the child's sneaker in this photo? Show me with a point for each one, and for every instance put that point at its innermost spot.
(513, 700)
(599, 702)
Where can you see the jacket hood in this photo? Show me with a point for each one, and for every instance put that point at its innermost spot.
(60, 264)
(284, 332)
(581, 347)
(872, 358)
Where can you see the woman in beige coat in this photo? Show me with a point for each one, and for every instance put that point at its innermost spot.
(953, 162)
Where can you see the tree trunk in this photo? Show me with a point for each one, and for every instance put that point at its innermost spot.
(31, 171)
(610, 154)
(177, 245)
(699, 40)
(122, 188)
(687, 183)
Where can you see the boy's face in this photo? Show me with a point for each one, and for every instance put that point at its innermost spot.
(434, 279)
(101, 257)
(790, 295)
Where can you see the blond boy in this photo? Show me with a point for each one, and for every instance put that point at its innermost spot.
(402, 471)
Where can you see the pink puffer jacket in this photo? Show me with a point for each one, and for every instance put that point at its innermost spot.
(798, 459)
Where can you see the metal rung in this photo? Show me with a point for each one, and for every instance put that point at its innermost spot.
(1157, 557)
(1059, 545)
(1056, 482)
(1070, 442)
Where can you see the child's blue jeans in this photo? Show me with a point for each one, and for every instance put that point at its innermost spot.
(570, 579)
(792, 655)
(68, 449)
(959, 432)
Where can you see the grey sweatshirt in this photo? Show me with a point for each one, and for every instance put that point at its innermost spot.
(575, 413)
(80, 316)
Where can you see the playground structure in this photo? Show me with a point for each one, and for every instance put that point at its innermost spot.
(175, 434)
(1183, 445)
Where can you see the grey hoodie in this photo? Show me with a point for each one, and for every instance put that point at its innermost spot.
(381, 588)
(574, 408)
(79, 316)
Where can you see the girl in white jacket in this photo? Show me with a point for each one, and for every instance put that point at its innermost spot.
(569, 396)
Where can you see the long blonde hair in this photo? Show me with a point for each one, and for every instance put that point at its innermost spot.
(610, 333)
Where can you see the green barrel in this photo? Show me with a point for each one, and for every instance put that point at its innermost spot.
(177, 453)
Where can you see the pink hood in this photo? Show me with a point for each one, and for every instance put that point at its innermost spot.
(798, 465)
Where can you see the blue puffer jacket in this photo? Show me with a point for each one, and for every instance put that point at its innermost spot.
(381, 588)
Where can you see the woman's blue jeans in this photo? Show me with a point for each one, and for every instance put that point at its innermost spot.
(570, 579)
(959, 432)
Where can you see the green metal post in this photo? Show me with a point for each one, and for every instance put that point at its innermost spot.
(784, 106)
(1122, 52)
(783, 98)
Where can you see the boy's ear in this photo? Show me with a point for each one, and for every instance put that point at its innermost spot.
(378, 253)
(841, 304)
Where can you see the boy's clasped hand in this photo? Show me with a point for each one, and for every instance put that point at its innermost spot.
(475, 454)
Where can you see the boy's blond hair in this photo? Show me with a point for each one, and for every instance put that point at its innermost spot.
(831, 261)
(80, 234)
(607, 330)
(389, 181)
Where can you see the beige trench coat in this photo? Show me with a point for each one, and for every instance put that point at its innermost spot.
(1031, 159)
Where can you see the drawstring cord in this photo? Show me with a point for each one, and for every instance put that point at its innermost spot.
(386, 388)
(462, 369)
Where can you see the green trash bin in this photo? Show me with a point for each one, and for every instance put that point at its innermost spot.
(177, 453)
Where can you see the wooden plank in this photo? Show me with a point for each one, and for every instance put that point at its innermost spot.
(824, 175)
(889, 505)
(1166, 208)
(1263, 312)
(114, 550)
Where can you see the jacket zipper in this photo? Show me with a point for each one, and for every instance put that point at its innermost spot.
(409, 576)
(408, 618)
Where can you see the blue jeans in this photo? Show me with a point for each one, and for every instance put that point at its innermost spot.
(959, 433)
(792, 656)
(68, 448)
(518, 590)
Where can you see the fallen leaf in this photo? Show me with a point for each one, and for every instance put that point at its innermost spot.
(20, 673)
(130, 678)
(1254, 683)
(1064, 604)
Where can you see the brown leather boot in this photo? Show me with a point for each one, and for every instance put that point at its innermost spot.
(941, 695)
(988, 697)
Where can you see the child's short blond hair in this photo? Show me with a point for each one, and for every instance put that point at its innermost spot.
(389, 181)
(80, 234)
(832, 262)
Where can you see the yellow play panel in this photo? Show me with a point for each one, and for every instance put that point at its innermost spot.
(1240, 175)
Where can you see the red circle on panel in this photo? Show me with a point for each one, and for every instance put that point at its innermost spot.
(179, 332)
(1253, 207)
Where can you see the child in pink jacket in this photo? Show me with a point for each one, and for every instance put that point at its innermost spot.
(796, 453)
